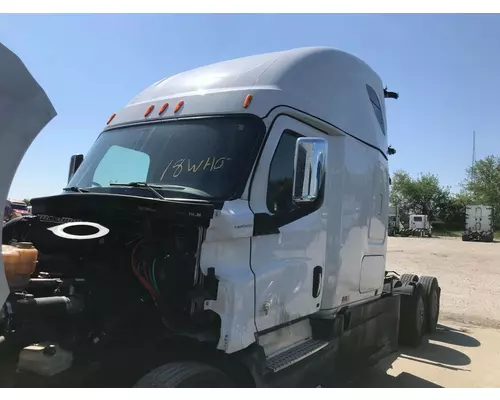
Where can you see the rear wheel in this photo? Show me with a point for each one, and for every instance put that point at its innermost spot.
(412, 317)
(185, 375)
(432, 294)
(489, 238)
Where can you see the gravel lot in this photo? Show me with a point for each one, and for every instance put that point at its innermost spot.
(468, 273)
(456, 356)
(465, 350)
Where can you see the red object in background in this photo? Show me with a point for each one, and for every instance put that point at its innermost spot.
(21, 211)
(7, 212)
(15, 209)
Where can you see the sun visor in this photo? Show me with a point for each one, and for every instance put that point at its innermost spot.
(25, 109)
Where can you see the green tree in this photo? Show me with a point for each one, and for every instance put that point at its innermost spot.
(27, 201)
(453, 214)
(482, 183)
(421, 195)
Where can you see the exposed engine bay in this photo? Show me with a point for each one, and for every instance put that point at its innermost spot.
(113, 271)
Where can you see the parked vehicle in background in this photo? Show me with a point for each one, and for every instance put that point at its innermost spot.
(478, 224)
(14, 209)
(395, 226)
(18, 206)
(418, 225)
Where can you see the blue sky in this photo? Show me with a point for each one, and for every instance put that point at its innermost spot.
(445, 67)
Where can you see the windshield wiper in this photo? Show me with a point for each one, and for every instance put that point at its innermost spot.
(76, 189)
(144, 185)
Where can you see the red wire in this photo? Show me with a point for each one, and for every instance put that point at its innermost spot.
(143, 281)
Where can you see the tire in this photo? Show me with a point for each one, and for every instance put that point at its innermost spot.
(412, 317)
(432, 297)
(185, 375)
(465, 238)
(407, 278)
(489, 238)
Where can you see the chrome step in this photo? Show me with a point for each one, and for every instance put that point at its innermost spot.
(295, 354)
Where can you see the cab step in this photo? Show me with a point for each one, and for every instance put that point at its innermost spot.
(295, 354)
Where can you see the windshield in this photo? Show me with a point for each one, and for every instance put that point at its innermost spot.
(207, 158)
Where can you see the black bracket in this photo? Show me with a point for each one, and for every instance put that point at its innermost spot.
(390, 95)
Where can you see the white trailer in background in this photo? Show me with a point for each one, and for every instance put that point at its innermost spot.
(478, 224)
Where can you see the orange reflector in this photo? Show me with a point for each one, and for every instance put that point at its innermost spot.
(148, 111)
(110, 119)
(163, 108)
(247, 101)
(178, 106)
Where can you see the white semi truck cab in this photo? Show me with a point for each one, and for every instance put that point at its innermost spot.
(420, 224)
(228, 227)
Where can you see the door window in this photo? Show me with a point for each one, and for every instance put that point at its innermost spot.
(280, 184)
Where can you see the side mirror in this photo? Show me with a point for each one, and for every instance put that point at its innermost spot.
(74, 163)
(309, 169)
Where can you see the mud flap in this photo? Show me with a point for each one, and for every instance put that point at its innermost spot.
(25, 110)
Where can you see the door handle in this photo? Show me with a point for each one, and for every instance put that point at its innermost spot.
(317, 278)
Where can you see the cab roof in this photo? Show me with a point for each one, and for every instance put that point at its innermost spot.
(326, 83)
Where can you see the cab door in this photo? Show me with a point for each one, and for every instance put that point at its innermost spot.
(289, 242)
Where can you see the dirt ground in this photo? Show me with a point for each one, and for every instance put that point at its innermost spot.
(465, 351)
(468, 273)
(456, 356)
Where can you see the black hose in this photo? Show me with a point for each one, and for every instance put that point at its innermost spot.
(56, 304)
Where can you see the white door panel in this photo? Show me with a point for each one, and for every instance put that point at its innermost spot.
(284, 263)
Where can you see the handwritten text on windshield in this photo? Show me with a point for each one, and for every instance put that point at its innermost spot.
(186, 165)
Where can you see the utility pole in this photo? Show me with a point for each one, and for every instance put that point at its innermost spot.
(473, 148)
